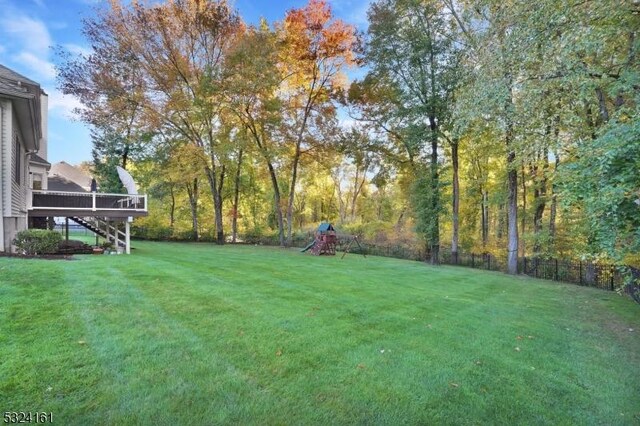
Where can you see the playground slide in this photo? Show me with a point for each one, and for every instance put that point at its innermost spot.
(311, 244)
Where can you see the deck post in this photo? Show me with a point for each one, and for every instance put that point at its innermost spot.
(66, 223)
(127, 235)
(115, 234)
(106, 229)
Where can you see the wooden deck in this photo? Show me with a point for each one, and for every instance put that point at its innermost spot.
(87, 204)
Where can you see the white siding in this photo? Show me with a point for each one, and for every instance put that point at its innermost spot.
(19, 167)
(5, 157)
(3, 114)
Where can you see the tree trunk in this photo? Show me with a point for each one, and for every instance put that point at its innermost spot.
(258, 137)
(485, 219)
(602, 106)
(236, 196)
(434, 237)
(292, 189)
(172, 208)
(192, 191)
(456, 203)
(554, 201)
(277, 200)
(523, 219)
(296, 159)
(539, 200)
(215, 184)
(512, 213)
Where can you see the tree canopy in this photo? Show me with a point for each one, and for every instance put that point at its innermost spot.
(507, 127)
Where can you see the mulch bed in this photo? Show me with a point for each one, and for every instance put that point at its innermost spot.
(40, 256)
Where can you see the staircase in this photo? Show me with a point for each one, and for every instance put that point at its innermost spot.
(99, 227)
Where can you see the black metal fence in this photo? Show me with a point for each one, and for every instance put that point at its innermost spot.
(603, 276)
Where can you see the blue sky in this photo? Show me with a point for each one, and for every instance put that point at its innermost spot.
(30, 28)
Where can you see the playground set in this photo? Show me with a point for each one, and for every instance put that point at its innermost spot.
(326, 240)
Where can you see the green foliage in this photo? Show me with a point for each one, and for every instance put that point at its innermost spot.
(603, 181)
(427, 209)
(108, 150)
(37, 241)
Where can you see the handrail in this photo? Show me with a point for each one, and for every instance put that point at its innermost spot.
(47, 192)
(94, 201)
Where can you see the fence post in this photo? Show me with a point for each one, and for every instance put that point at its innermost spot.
(611, 272)
(557, 269)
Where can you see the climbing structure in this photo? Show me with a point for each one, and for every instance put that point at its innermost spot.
(324, 242)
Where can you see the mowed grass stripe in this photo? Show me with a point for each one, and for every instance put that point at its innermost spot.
(265, 335)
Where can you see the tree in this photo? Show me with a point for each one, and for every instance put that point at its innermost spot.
(409, 50)
(166, 62)
(315, 48)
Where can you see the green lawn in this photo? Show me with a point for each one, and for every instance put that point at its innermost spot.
(199, 334)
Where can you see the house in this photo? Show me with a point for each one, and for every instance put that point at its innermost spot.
(26, 198)
(23, 104)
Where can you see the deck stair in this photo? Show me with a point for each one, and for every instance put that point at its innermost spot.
(100, 227)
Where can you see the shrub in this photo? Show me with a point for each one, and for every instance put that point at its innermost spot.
(37, 241)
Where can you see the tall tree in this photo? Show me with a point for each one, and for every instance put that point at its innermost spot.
(316, 48)
(175, 51)
(409, 48)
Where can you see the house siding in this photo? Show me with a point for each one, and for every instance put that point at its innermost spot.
(19, 168)
(3, 115)
(5, 156)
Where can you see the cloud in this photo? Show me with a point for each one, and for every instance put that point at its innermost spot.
(39, 66)
(30, 33)
(62, 105)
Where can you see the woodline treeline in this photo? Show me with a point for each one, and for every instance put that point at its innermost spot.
(503, 127)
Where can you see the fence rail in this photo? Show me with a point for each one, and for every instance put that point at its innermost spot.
(589, 274)
(602, 276)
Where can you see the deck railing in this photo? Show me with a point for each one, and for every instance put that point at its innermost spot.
(83, 201)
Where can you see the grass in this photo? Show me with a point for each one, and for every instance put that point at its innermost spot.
(199, 334)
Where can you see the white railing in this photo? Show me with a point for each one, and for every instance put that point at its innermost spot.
(94, 201)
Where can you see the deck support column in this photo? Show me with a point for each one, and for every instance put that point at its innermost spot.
(66, 228)
(115, 234)
(127, 235)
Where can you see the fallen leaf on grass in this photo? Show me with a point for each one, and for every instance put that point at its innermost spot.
(530, 337)
(454, 385)
(517, 349)
(361, 366)
(478, 362)
(82, 342)
(279, 352)
(519, 337)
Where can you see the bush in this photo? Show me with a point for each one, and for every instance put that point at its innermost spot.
(37, 241)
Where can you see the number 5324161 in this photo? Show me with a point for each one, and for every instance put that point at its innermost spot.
(27, 417)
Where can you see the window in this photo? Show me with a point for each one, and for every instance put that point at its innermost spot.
(37, 182)
(17, 160)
